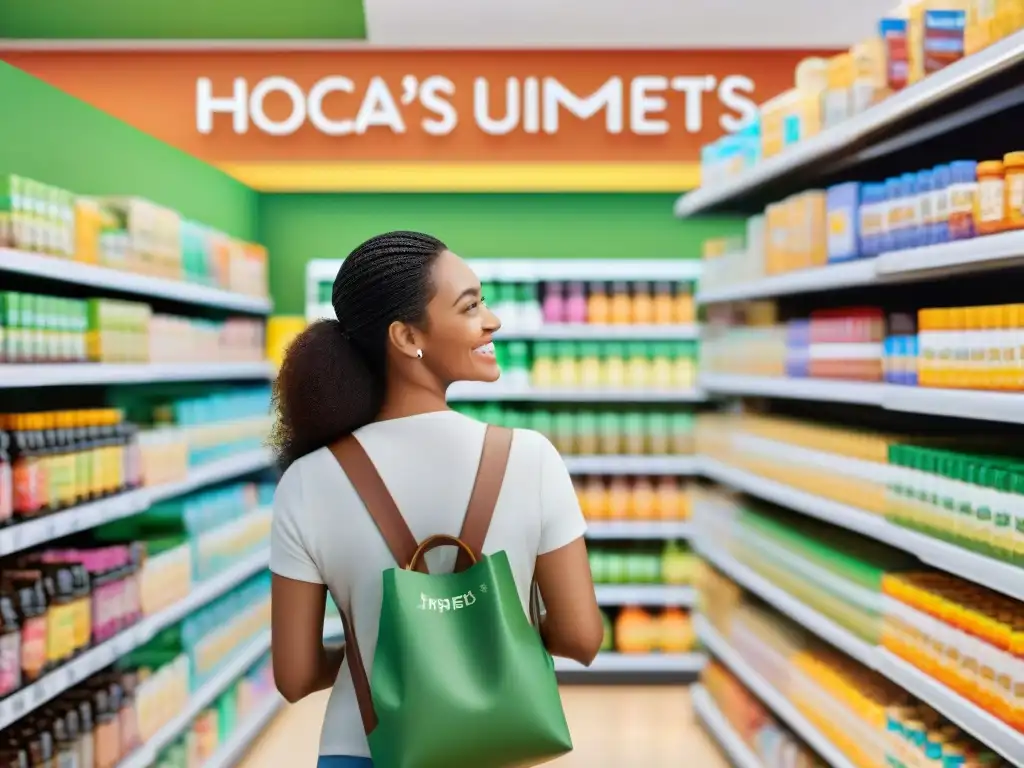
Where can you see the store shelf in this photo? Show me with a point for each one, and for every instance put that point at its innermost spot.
(474, 392)
(232, 751)
(844, 140)
(214, 472)
(958, 257)
(707, 711)
(526, 270)
(770, 696)
(991, 573)
(92, 661)
(639, 529)
(16, 538)
(82, 374)
(77, 273)
(645, 594)
(1001, 737)
(631, 465)
(823, 390)
(831, 277)
(636, 663)
(587, 332)
(1005, 407)
(823, 627)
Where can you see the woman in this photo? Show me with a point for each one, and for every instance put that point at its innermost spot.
(411, 320)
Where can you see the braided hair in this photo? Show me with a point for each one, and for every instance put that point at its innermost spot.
(332, 379)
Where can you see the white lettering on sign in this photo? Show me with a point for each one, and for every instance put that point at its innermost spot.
(646, 105)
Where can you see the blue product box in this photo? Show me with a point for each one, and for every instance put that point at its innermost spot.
(941, 179)
(909, 208)
(925, 208)
(842, 206)
(890, 199)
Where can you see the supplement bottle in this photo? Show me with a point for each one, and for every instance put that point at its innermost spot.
(963, 189)
(1013, 164)
(990, 203)
(940, 204)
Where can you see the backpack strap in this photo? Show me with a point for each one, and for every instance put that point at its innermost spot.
(378, 500)
(490, 474)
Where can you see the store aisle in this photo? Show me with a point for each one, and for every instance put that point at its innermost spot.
(613, 727)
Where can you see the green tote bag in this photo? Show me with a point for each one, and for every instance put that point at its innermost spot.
(461, 678)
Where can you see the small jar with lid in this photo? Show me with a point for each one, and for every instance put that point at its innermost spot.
(990, 203)
(1013, 165)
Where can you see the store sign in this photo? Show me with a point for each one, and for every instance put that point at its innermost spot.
(371, 105)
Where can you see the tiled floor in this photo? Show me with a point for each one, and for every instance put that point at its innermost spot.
(612, 727)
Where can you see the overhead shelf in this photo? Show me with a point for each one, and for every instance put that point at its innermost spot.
(645, 594)
(1005, 407)
(994, 574)
(477, 392)
(94, 276)
(769, 695)
(959, 257)
(14, 376)
(639, 529)
(843, 141)
(66, 676)
(721, 730)
(597, 332)
(986, 728)
(631, 465)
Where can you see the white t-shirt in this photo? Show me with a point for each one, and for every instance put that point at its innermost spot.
(323, 534)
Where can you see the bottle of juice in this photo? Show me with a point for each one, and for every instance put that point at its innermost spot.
(611, 437)
(614, 365)
(554, 302)
(590, 365)
(543, 372)
(643, 304)
(684, 366)
(567, 370)
(595, 499)
(506, 307)
(517, 369)
(666, 499)
(676, 631)
(621, 306)
(658, 433)
(587, 434)
(637, 369)
(661, 365)
(642, 500)
(635, 441)
(598, 305)
(576, 304)
(633, 630)
(664, 306)
(619, 493)
(684, 314)
(542, 421)
(565, 433)
(531, 317)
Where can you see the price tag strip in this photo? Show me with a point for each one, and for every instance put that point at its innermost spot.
(89, 663)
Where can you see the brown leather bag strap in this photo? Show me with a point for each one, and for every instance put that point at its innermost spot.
(377, 500)
(490, 474)
(360, 681)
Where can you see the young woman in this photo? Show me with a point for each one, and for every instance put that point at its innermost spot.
(411, 320)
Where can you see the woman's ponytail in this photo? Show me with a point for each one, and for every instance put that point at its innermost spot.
(332, 380)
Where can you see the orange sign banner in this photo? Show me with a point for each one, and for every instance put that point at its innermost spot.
(376, 106)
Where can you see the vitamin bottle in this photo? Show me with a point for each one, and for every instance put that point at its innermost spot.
(963, 189)
(990, 202)
(940, 204)
(1013, 164)
(598, 304)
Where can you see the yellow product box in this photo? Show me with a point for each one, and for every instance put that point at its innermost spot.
(813, 218)
(981, 26)
(89, 223)
(154, 235)
(1009, 18)
(869, 74)
(837, 99)
(915, 40)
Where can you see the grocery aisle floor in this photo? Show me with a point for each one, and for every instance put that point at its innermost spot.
(612, 727)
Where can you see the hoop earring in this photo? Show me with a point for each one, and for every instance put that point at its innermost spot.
(419, 354)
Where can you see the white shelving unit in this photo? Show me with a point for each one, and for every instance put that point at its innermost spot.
(94, 660)
(22, 536)
(707, 711)
(639, 529)
(632, 465)
(846, 138)
(986, 728)
(588, 332)
(645, 594)
(628, 663)
(93, 276)
(90, 374)
(994, 574)
(772, 698)
(822, 390)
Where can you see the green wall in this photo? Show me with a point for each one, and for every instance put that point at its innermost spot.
(298, 228)
(183, 19)
(51, 137)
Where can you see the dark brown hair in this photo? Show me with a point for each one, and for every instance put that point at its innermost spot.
(332, 379)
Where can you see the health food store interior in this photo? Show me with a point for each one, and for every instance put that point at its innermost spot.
(795, 435)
